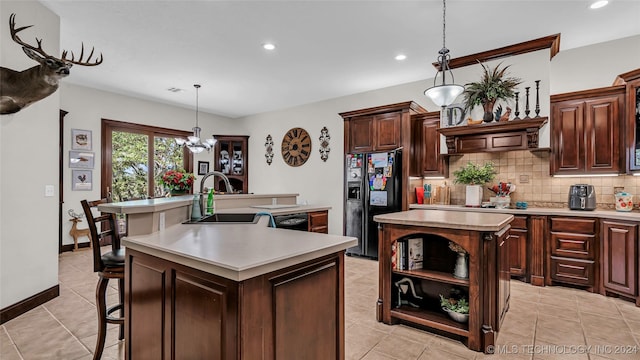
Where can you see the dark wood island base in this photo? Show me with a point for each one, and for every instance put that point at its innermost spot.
(487, 287)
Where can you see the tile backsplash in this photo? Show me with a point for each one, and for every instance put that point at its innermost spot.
(529, 171)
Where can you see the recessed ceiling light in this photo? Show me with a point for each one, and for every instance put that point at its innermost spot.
(268, 46)
(175, 89)
(599, 4)
(401, 57)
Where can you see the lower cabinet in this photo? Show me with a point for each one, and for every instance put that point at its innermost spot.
(518, 247)
(177, 312)
(619, 258)
(318, 222)
(572, 245)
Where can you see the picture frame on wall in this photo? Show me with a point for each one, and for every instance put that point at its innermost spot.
(81, 139)
(81, 159)
(203, 167)
(81, 180)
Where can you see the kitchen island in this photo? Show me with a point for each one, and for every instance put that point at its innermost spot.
(231, 291)
(486, 287)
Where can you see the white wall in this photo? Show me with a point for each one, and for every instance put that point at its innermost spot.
(28, 220)
(87, 106)
(594, 66)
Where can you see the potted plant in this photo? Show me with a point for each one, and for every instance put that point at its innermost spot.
(474, 177)
(495, 85)
(177, 181)
(458, 309)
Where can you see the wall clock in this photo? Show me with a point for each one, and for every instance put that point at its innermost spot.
(296, 147)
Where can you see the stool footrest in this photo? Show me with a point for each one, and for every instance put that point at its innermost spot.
(114, 320)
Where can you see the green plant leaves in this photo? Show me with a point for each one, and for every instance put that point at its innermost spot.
(494, 85)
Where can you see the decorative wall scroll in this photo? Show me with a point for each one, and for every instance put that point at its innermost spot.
(324, 143)
(269, 149)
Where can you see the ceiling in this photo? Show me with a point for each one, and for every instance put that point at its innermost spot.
(325, 49)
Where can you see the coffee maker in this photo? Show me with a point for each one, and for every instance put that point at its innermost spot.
(582, 197)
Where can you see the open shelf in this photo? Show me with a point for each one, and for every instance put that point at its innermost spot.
(433, 319)
(434, 276)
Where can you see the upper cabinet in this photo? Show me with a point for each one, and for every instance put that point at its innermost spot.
(632, 114)
(381, 128)
(586, 131)
(385, 128)
(230, 158)
(432, 163)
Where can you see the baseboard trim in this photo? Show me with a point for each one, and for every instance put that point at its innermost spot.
(69, 247)
(21, 307)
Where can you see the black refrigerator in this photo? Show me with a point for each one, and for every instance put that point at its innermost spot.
(373, 186)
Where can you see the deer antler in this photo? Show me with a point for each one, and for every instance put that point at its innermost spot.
(73, 214)
(39, 50)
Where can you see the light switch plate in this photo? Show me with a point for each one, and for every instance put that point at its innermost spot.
(49, 190)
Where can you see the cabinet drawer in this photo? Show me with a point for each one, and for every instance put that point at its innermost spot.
(519, 222)
(575, 246)
(574, 225)
(577, 272)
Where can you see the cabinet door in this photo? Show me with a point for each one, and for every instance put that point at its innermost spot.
(602, 127)
(633, 123)
(432, 163)
(619, 257)
(518, 252)
(504, 278)
(567, 140)
(318, 222)
(361, 134)
(387, 131)
(230, 158)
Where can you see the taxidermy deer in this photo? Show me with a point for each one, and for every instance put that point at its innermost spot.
(19, 89)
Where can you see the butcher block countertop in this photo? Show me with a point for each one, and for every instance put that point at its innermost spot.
(476, 221)
(237, 251)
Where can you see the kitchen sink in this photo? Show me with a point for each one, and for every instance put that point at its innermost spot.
(226, 219)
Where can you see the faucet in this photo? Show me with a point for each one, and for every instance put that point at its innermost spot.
(224, 177)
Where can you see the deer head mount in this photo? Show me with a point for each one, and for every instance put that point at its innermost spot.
(19, 89)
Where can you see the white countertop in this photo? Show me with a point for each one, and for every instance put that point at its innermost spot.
(237, 252)
(291, 209)
(604, 214)
(476, 221)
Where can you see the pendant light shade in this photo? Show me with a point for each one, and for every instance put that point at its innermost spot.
(193, 142)
(444, 94)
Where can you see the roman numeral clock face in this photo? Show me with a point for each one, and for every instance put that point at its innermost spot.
(296, 147)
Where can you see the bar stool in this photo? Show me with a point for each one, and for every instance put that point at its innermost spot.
(108, 266)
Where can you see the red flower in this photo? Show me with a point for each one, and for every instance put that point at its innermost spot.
(177, 180)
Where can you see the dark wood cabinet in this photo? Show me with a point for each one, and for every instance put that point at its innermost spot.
(178, 312)
(572, 252)
(518, 247)
(631, 80)
(231, 158)
(433, 164)
(318, 222)
(619, 258)
(504, 275)
(386, 128)
(586, 131)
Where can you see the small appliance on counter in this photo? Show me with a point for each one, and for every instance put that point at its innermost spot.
(624, 201)
(582, 197)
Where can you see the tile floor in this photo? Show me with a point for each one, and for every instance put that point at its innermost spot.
(542, 323)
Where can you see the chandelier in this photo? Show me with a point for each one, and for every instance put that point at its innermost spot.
(443, 95)
(193, 142)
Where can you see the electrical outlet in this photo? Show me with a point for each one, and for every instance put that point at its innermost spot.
(49, 190)
(617, 189)
(524, 179)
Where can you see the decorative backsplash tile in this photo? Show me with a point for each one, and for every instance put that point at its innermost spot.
(529, 171)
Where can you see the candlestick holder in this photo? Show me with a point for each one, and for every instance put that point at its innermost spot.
(517, 110)
(526, 108)
(537, 98)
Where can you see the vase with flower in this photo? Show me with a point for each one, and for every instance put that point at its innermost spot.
(461, 270)
(493, 86)
(177, 182)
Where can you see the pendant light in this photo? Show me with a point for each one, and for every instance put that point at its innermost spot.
(193, 142)
(444, 95)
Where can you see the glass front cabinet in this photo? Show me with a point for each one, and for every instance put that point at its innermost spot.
(632, 80)
(230, 158)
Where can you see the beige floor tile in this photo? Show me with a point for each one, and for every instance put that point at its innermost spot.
(374, 355)
(400, 347)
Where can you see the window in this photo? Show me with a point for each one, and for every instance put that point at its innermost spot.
(134, 157)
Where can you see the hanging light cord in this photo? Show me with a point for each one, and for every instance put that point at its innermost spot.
(444, 21)
(197, 106)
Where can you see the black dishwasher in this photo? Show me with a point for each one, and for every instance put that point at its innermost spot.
(292, 221)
